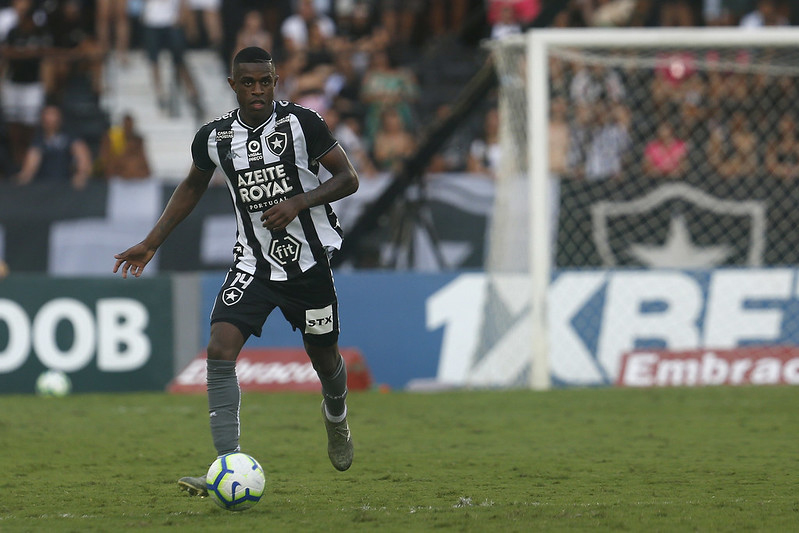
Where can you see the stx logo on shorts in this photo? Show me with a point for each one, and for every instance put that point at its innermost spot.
(319, 321)
(285, 250)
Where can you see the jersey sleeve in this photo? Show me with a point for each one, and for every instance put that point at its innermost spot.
(317, 135)
(199, 150)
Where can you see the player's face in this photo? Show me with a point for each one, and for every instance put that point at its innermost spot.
(254, 85)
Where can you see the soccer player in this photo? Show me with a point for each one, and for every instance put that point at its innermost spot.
(270, 153)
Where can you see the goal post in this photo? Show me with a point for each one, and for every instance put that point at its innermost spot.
(725, 90)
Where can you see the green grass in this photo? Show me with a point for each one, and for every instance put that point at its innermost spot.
(707, 459)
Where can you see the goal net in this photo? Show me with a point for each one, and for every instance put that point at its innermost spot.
(646, 209)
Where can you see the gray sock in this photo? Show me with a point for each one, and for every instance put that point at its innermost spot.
(224, 400)
(334, 389)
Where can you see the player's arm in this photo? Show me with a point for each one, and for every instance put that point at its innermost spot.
(344, 181)
(182, 202)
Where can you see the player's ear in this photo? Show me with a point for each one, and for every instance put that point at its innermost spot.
(231, 83)
(276, 78)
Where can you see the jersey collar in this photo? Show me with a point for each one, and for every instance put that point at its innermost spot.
(267, 121)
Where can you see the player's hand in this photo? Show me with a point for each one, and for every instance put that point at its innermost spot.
(279, 216)
(133, 260)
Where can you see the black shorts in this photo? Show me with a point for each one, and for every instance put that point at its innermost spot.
(308, 302)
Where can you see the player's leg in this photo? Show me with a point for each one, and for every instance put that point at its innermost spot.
(224, 397)
(240, 310)
(332, 372)
(224, 394)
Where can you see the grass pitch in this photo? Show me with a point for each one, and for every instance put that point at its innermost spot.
(706, 459)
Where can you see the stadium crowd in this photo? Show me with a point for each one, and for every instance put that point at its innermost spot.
(377, 70)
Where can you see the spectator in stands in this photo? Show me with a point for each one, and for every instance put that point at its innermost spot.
(719, 13)
(675, 76)
(252, 33)
(559, 82)
(581, 130)
(122, 152)
(10, 15)
(23, 91)
(445, 17)
(393, 142)
(524, 11)
(558, 137)
(507, 23)
(343, 86)
(694, 123)
(666, 156)
(294, 29)
(76, 54)
(453, 155)
(399, 18)
(7, 167)
(485, 151)
(162, 24)
(595, 82)
(385, 85)
(607, 13)
(111, 22)
(210, 27)
(782, 150)
(610, 142)
(732, 151)
(678, 13)
(766, 13)
(55, 156)
(347, 131)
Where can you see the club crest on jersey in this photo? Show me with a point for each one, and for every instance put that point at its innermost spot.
(276, 142)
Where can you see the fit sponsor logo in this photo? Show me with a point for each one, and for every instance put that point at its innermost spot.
(264, 187)
(319, 321)
(254, 151)
(285, 250)
(772, 365)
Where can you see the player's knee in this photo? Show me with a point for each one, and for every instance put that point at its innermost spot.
(323, 358)
(220, 350)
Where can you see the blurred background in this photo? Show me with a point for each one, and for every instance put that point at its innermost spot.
(101, 99)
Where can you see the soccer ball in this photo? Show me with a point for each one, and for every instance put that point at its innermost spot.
(53, 383)
(235, 481)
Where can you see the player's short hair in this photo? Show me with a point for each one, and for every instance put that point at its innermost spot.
(252, 54)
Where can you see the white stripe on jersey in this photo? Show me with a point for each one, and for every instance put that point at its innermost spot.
(256, 178)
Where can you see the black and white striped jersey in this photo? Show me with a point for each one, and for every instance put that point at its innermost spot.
(264, 166)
